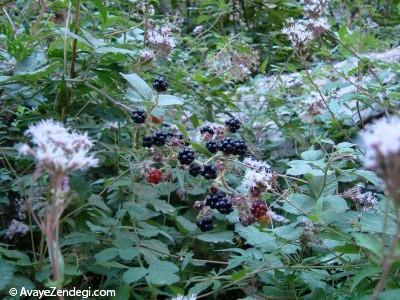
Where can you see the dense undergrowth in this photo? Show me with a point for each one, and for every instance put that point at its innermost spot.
(201, 149)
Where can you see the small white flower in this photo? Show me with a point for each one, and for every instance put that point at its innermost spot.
(278, 218)
(181, 297)
(381, 139)
(146, 55)
(16, 227)
(198, 29)
(256, 164)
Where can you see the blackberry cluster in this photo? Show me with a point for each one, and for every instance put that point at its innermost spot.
(147, 141)
(233, 124)
(212, 146)
(219, 201)
(207, 129)
(205, 224)
(139, 116)
(209, 172)
(160, 84)
(259, 209)
(160, 138)
(195, 169)
(236, 147)
(186, 156)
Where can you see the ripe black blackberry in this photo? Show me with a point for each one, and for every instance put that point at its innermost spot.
(224, 206)
(227, 146)
(213, 198)
(147, 141)
(186, 156)
(212, 146)
(195, 169)
(159, 138)
(139, 116)
(233, 124)
(160, 84)
(207, 129)
(236, 147)
(240, 147)
(205, 224)
(209, 172)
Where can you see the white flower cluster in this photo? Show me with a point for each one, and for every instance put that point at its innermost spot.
(364, 200)
(16, 227)
(237, 65)
(258, 175)
(256, 164)
(381, 140)
(314, 8)
(161, 39)
(57, 148)
(146, 55)
(302, 32)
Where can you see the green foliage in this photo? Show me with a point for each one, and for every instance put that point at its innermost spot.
(122, 232)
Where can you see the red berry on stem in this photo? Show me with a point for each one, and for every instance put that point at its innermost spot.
(154, 176)
(259, 209)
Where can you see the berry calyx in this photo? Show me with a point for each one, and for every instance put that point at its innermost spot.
(160, 84)
(154, 176)
(139, 116)
(205, 224)
(186, 156)
(159, 138)
(209, 172)
(264, 220)
(212, 146)
(195, 169)
(259, 209)
(147, 141)
(207, 129)
(233, 124)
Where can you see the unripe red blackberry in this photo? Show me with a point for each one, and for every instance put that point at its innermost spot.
(160, 84)
(212, 146)
(154, 176)
(195, 169)
(233, 124)
(139, 116)
(209, 172)
(205, 224)
(258, 208)
(186, 156)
